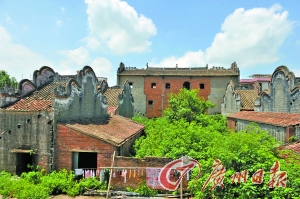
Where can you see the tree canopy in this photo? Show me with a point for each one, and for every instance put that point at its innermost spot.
(6, 80)
(186, 105)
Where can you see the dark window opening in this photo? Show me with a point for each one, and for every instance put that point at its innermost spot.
(168, 86)
(39, 115)
(28, 121)
(153, 85)
(23, 160)
(9, 132)
(201, 86)
(84, 160)
(131, 84)
(186, 85)
(49, 122)
(19, 126)
(150, 103)
(0, 138)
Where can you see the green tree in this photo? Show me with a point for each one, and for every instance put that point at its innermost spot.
(186, 104)
(5, 80)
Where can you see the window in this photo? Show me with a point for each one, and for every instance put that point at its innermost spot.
(201, 86)
(150, 103)
(131, 84)
(84, 160)
(153, 85)
(186, 85)
(168, 86)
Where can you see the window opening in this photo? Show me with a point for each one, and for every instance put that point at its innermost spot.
(153, 85)
(19, 126)
(23, 159)
(150, 103)
(186, 85)
(201, 86)
(84, 160)
(168, 86)
(131, 84)
(9, 132)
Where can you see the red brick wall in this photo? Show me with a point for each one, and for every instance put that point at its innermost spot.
(68, 140)
(117, 182)
(231, 124)
(159, 95)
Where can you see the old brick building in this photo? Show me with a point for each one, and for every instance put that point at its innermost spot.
(276, 109)
(151, 86)
(57, 121)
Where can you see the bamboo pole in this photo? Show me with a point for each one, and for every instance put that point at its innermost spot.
(181, 188)
(112, 164)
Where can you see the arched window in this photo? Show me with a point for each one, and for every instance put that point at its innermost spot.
(186, 85)
(168, 86)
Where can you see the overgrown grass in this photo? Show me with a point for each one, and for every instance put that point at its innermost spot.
(39, 185)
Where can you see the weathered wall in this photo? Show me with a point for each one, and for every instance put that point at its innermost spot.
(217, 90)
(140, 166)
(231, 101)
(137, 92)
(278, 132)
(33, 133)
(126, 102)
(83, 102)
(160, 94)
(283, 94)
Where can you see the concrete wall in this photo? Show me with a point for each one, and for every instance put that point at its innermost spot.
(35, 132)
(231, 101)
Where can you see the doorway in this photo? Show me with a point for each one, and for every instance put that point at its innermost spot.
(23, 160)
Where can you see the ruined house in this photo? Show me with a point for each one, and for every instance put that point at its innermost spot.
(57, 121)
(276, 109)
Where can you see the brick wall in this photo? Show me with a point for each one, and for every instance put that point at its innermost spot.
(117, 182)
(159, 94)
(69, 140)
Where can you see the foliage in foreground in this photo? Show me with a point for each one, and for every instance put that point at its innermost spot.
(6, 80)
(38, 185)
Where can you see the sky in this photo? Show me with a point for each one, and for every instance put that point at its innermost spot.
(68, 35)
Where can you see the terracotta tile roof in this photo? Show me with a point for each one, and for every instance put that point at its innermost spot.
(294, 147)
(118, 130)
(39, 100)
(179, 72)
(273, 118)
(248, 98)
(112, 96)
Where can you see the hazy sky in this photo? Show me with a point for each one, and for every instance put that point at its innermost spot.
(67, 35)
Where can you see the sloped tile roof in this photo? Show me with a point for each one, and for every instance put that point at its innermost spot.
(273, 118)
(39, 100)
(294, 147)
(179, 72)
(118, 130)
(248, 98)
(112, 96)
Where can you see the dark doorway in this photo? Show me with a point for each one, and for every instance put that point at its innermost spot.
(186, 85)
(84, 160)
(23, 160)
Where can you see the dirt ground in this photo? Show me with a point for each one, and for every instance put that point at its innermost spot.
(77, 197)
